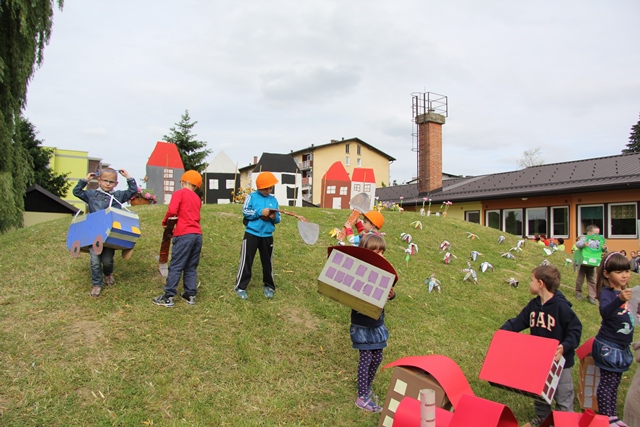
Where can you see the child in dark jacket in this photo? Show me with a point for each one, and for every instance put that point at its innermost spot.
(550, 315)
(97, 200)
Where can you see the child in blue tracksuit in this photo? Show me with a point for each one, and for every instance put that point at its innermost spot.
(97, 200)
(260, 219)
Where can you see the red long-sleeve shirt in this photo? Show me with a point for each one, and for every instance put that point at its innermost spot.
(185, 204)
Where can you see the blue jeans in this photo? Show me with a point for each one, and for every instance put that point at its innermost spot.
(185, 256)
(100, 264)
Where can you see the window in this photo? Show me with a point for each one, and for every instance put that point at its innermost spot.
(213, 184)
(472, 216)
(343, 191)
(346, 161)
(346, 148)
(230, 184)
(492, 219)
(169, 186)
(168, 174)
(356, 188)
(560, 222)
(331, 189)
(536, 221)
(622, 220)
(513, 221)
(590, 214)
(359, 162)
(358, 150)
(367, 188)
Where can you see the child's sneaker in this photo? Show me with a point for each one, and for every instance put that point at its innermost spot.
(242, 293)
(268, 292)
(164, 301)
(367, 404)
(191, 299)
(109, 280)
(535, 422)
(95, 291)
(614, 421)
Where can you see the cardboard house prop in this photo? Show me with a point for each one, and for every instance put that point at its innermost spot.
(470, 411)
(358, 278)
(523, 363)
(286, 171)
(414, 373)
(589, 377)
(363, 180)
(573, 419)
(164, 170)
(111, 228)
(221, 180)
(336, 187)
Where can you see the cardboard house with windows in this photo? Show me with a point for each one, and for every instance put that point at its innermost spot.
(363, 180)
(164, 170)
(220, 181)
(336, 187)
(287, 190)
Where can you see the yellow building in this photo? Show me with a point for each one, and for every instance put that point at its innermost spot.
(76, 164)
(314, 161)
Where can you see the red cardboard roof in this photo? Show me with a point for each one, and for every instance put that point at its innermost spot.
(337, 172)
(166, 154)
(444, 370)
(571, 419)
(519, 361)
(471, 411)
(363, 175)
(585, 349)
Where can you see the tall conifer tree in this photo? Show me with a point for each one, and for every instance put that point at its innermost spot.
(191, 150)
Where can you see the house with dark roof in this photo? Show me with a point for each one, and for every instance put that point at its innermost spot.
(559, 200)
(41, 205)
(287, 190)
(164, 170)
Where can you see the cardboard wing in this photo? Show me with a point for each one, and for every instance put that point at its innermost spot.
(523, 363)
(358, 278)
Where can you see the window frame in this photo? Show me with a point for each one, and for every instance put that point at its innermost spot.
(486, 218)
(526, 221)
(504, 220)
(552, 222)
(467, 213)
(610, 221)
(579, 230)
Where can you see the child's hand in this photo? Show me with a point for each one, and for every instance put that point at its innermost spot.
(347, 225)
(559, 353)
(392, 294)
(266, 212)
(625, 295)
(90, 176)
(124, 173)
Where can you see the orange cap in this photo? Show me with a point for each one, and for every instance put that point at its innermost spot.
(266, 180)
(376, 218)
(192, 177)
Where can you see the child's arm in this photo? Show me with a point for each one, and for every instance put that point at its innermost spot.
(174, 206)
(610, 303)
(132, 189)
(519, 323)
(78, 190)
(249, 211)
(573, 332)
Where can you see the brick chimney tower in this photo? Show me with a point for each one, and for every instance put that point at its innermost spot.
(427, 109)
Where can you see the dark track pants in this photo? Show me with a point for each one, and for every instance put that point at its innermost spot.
(251, 244)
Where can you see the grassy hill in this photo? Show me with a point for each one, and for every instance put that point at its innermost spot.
(68, 359)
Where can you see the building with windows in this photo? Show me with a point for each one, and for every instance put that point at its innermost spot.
(77, 164)
(316, 160)
(559, 199)
(164, 170)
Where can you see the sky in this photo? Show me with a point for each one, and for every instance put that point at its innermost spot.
(279, 75)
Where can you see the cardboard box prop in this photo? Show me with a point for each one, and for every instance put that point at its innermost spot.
(470, 411)
(523, 363)
(358, 278)
(573, 419)
(589, 377)
(111, 228)
(414, 373)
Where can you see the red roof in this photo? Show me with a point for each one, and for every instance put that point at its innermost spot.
(363, 175)
(166, 155)
(336, 172)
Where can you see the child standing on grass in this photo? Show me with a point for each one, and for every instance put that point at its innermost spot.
(260, 219)
(369, 336)
(371, 223)
(611, 352)
(187, 241)
(97, 200)
(550, 315)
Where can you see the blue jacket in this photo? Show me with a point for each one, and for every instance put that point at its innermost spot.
(99, 199)
(617, 322)
(252, 211)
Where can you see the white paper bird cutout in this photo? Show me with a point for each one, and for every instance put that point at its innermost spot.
(486, 266)
(501, 239)
(471, 273)
(472, 236)
(445, 245)
(433, 282)
(513, 282)
(448, 257)
(405, 237)
(508, 255)
(417, 225)
(473, 255)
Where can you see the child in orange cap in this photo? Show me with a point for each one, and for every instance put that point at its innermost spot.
(372, 223)
(187, 240)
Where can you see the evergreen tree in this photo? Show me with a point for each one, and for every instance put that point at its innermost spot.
(191, 150)
(39, 159)
(634, 140)
(25, 28)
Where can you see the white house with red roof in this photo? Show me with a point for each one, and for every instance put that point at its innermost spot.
(164, 169)
(336, 187)
(364, 181)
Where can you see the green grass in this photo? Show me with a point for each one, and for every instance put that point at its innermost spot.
(68, 359)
